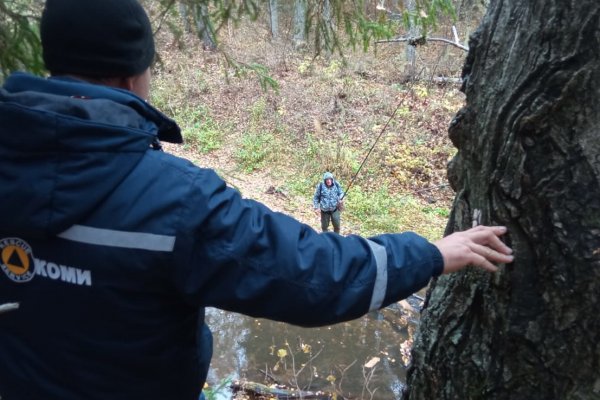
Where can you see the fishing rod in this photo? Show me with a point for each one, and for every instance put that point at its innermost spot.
(374, 144)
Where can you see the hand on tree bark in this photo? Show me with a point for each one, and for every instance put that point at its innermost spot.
(479, 246)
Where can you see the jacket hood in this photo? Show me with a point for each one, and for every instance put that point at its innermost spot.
(64, 146)
(327, 175)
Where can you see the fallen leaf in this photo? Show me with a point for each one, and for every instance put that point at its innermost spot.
(372, 362)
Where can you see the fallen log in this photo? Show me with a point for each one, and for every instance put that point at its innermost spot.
(279, 392)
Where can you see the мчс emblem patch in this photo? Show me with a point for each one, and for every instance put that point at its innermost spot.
(16, 259)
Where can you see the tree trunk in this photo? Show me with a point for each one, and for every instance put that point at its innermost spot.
(203, 26)
(528, 157)
(299, 39)
(411, 51)
(326, 28)
(183, 12)
(274, 18)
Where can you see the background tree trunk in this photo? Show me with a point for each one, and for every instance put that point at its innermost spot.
(203, 26)
(325, 28)
(299, 37)
(183, 12)
(274, 18)
(529, 158)
(411, 51)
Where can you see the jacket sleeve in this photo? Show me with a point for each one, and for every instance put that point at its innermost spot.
(238, 255)
(316, 196)
(340, 191)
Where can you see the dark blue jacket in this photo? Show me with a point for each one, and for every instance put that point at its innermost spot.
(112, 248)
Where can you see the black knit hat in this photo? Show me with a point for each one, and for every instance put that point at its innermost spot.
(96, 38)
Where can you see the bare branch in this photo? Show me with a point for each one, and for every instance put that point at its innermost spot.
(419, 41)
(455, 33)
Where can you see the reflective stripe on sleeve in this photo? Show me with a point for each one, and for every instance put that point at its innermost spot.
(114, 238)
(381, 279)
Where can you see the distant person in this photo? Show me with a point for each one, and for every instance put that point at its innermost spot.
(328, 202)
(112, 248)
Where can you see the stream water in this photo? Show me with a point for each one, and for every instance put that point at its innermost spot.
(361, 359)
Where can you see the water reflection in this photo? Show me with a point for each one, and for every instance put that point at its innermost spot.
(361, 359)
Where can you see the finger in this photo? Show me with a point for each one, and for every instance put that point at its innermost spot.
(482, 263)
(489, 236)
(491, 254)
(497, 229)
(498, 245)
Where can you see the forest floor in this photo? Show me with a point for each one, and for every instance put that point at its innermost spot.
(273, 144)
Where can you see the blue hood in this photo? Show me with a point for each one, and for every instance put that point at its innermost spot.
(327, 175)
(45, 131)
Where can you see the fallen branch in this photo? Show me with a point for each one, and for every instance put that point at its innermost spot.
(278, 392)
(446, 79)
(419, 41)
(440, 186)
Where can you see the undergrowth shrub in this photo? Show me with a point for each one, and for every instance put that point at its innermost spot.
(253, 150)
(332, 155)
(218, 391)
(200, 132)
(418, 164)
(377, 211)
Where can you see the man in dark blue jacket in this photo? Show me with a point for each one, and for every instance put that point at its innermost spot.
(110, 248)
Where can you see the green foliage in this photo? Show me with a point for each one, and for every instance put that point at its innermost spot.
(439, 211)
(333, 69)
(329, 155)
(233, 11)
(262, 72)
(305, 68)
(220, 11)
(418, 162)
(20, 47)
(372, 208)
(427, 14)
(301, 185)
(257, 112)
(369, 31)
(242, 70)
(199, 130)
(254, 150)
(375, 211)
(362, 29)
(214, 393)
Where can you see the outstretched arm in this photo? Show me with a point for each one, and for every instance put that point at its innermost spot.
(480, 246)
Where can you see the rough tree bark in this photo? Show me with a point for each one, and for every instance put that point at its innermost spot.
(411, 51)
(274, 18)
(299, 37)
(528, 157)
